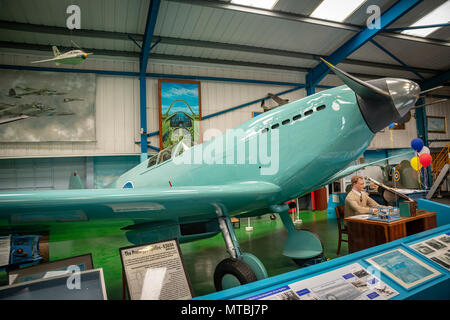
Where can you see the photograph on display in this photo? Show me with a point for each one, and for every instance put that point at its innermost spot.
(445, 239)
(352, 282)
(403, 268)
(436, 244)
(435, 249)
(51, 269)
(47, 106)
(443, 260)
(423, 249)
(180, 112)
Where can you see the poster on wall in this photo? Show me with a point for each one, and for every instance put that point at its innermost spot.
(180, 112)
(47, 106)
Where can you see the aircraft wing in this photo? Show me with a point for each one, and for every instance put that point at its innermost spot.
(150, 204)
(349, 170)
(46, 60)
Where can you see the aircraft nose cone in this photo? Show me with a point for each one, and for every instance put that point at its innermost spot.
(404, 94)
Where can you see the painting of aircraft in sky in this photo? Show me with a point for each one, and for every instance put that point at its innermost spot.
(311, 141)
(71, 57)
(31, 91)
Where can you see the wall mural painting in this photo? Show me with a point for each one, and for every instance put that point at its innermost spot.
(46, 106)
(180, 112)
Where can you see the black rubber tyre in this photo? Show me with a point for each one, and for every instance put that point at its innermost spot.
(235, 267)
(307, 262)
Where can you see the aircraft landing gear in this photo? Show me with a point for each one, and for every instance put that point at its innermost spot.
(302, 246)
(241, 268)
(231, 273)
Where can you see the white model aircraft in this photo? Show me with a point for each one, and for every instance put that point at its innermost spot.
(70, 57)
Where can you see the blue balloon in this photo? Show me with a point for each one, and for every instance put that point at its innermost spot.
(417, 144)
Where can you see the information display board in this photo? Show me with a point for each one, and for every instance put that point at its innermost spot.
(436, 249)
(155, 271)
(403, 268)
(51, 269)
(86, 285)
(5, 250)
(352, 282)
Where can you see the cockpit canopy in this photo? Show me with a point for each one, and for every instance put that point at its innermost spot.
(168, 153)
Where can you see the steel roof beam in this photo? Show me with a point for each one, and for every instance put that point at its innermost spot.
(392, 14)
(47, 48)
(38, 47)
(188, 42)
(152, 16)
(305, 19)
(148, 35)
(194, 43)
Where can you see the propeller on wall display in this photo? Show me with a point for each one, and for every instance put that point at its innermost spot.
(275, 98)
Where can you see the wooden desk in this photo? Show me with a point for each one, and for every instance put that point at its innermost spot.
(363, 234)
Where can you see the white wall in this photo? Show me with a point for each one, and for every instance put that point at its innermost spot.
(117, 104)
(443, 110)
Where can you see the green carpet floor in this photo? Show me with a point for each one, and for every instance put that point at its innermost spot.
(266, 241)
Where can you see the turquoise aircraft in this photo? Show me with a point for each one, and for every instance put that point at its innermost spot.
(192, 194)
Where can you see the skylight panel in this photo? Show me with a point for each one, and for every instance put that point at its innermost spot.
(265, 4)
(336, 10)
(438, 16)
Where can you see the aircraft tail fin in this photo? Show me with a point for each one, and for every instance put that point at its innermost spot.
(75, 181)
(56, 51)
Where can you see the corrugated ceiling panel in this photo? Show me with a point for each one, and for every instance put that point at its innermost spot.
(418, 54)
(111, 15)
(232, 55)
(360, 16)
(248, 29)
(304, 7)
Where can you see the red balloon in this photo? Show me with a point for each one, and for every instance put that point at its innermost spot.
(425, 159)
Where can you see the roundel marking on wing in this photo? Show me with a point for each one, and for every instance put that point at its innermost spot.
(129, 184)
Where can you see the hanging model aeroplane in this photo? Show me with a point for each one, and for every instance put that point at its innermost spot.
(278, 156)
(71, 57)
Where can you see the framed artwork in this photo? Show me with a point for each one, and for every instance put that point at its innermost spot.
(180, 112)
(403, 268)
(436, 124)
(400, 126)
(47, 106)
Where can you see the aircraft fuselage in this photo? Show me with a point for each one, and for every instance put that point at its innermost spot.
(325, 132)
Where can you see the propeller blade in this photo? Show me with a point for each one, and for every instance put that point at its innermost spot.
(362, 88)
(429, 104)
(432, 89)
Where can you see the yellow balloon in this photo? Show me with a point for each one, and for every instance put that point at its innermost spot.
(415, 163)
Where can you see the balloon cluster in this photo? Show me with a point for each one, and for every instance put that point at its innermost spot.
(423, 157)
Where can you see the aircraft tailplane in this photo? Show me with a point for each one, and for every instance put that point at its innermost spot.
(75, 181)
(55, 51)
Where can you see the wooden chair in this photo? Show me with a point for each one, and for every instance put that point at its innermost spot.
(341, 228)
(235, 222)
